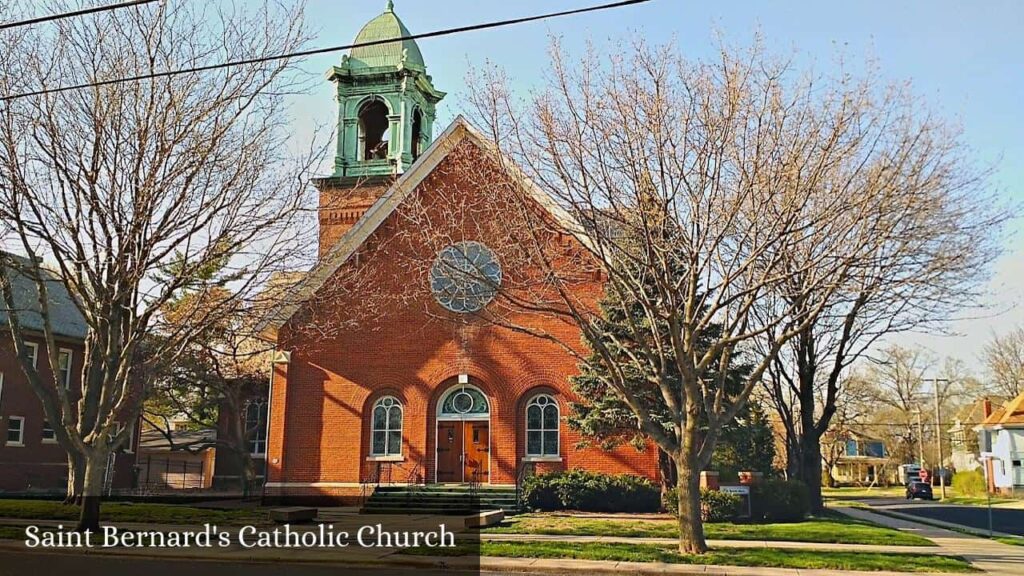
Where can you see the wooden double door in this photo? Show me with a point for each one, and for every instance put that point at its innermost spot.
(463, 450)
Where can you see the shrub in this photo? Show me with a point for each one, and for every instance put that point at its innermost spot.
(715, 506)
(780, 501)
(969, 483)
(670, 501)
(718, 506)
(590, 492)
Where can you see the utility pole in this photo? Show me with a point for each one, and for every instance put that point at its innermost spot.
(938, 432)
(920, 441)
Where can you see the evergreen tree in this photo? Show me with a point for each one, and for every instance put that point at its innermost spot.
(604, 419)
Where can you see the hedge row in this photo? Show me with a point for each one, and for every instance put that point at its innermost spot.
(772, 500)
(591, 492)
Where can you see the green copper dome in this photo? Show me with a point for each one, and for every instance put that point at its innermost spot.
(393, 54)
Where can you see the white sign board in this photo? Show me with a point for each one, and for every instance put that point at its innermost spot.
(739, 490)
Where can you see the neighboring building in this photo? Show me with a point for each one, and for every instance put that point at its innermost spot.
(430, 394)
(1001, 441)
(962, 437)
(229, 468)
(30, 458)
(862, 460)
(185, 461)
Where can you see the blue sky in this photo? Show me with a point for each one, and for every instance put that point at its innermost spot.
(964, 57)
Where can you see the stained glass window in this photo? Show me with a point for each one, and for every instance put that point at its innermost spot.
(542, 426)
(386, 427)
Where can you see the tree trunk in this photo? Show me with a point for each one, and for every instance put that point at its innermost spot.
(810, 468)
(92, 491)
(691, 527)
(76, 479)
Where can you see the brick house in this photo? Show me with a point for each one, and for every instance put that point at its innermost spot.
(424, 392)
(31, 460)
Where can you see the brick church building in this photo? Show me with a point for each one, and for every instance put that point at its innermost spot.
(400, 380)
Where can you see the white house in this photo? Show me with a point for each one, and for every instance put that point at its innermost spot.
(1001, 439)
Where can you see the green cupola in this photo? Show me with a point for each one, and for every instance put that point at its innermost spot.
(386, 102)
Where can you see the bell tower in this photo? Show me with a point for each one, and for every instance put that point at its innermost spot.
(386, 101)
(386, 109)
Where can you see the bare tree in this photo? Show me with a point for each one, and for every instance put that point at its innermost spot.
(935, 236)
(903, 384)
(689, 187)
(133, 191)
(1004, 360)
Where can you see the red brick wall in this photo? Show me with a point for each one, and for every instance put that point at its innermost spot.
(412, 349)
(38, 465)
(341, 208)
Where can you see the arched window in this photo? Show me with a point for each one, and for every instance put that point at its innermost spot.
(542, 426)
(417, 133)
(374, 127)
(386, 428)
(464, 402)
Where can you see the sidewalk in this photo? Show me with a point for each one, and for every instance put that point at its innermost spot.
(988, 555)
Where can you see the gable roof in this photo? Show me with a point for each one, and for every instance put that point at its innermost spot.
(65, 317)
(459, 130)
(1010, 415)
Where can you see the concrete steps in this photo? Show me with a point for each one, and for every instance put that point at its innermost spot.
(440, 500)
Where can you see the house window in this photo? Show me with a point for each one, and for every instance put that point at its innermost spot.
(15, 431)
(386, 429)
(256, 427)
(64, 367)
(542, 426)
(32, 352)
(49, 436)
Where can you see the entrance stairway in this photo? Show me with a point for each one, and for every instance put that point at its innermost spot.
(440, 499)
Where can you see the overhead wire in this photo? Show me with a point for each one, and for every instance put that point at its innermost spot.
(329, 49)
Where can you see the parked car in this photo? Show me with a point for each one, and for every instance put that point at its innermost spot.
(920, 490)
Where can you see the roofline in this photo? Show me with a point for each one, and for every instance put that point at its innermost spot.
(442, 146)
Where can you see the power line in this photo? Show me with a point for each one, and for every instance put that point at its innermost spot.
(316, 51)
(82, 12)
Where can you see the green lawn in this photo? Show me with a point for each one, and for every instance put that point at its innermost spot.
(767, 557)
(857, 492)
(127, 512)
(831, 529)
(975, 500)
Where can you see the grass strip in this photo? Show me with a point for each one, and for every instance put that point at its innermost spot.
(831, 528)
(759, 557)
(129, 512)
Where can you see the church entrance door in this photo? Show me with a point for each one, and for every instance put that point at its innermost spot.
(463, 450)
(463, 436)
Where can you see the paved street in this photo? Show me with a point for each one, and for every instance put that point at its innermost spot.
(1003, 520)
(1007, 520)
